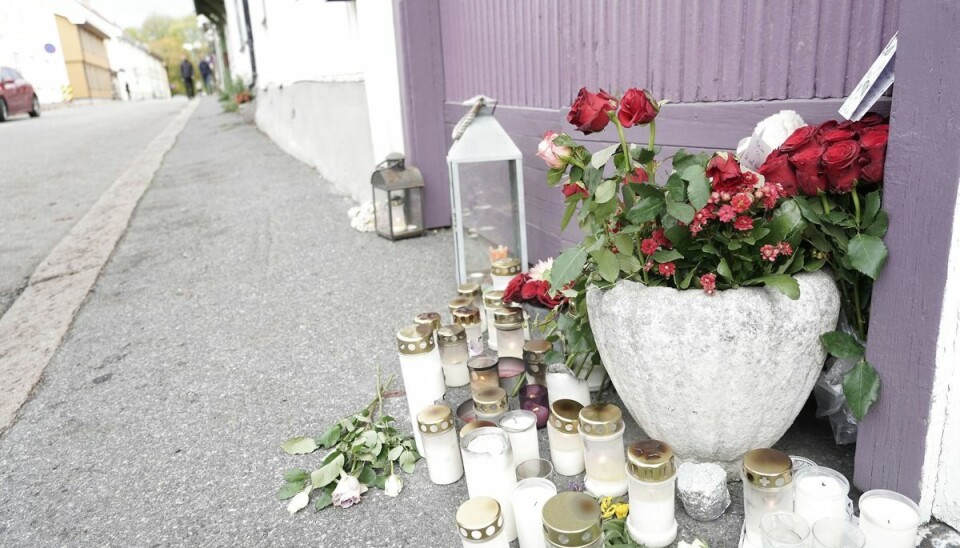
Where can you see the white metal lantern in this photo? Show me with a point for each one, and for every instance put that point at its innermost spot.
(486, 190)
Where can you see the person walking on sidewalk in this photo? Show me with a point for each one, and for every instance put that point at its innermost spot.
(186, 72)
(206, 75)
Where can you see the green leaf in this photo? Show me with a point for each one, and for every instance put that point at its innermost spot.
(861, 386)
(299, 445)
(608, 265)
(629, 264)
(606, 191)
(723, 269)
(785, 223)
(646, 209)
(323, 500)
(296, 474)
(676, 188)
(568, 214)
(327, 473)
(554, 176)
(624, 243)
(330, 438)
(567, 267)
(698, 191)
(367, 476)
(782, 282)
(289, 489)
(871, 205)
(666, 255)
(394, 453)
(879, 225)
(682, 160)
(407, 462)
(867, 254)
(600, 157)
(842, 345)
(681, 212)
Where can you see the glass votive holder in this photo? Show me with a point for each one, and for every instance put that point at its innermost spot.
(483, 373)
(784, 530)
(819, 492)
(767, 476)
(492, 300)
(536, 393)
(535, 360)
(572, 519)
(508, 322)
(563, 432)
(888, 519)
(601, 427)
(652, 475)
(510, 371)
(469, 318)
(521, 427)
(542, 411)
(528, 500)
(472, 290)
(535, 468)
(490, 403)
(480, 524)
(452, 341)
(836, 533)
(503, 270)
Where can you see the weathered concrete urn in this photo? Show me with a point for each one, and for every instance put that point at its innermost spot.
(714, 376)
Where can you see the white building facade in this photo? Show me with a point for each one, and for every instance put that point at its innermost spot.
(139, 74)
(30, 43)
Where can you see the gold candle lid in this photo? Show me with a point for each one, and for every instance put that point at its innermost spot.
(508, 318)
(493, 299)
(481, 363)
(535, 352)
(505, 267)
(479, 518)
(466, 315)
(767, 468)
(458, 302)
(571, 519)
(415, 339)
(491, 400)
(471, 426)
(601, 419)
(469, 289)
(565, 415)
(435, 419)
(428, 318)
(450, 335)
(650, 461)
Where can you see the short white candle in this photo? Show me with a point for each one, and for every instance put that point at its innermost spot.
(563, 432)
(652, 489)
(442, 448)
(492, 300)
(601, 427)
(820, 492)
(488, 467)
(888, 519)
(508, 323)
(528, 500)
(521, 427)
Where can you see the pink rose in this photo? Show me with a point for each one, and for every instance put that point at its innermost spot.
(553, 154)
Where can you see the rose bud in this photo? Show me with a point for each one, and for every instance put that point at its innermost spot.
(637, 107)
(589, 111)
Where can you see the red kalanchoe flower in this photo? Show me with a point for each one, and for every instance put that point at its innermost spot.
(785, 248)
(810, 177)
(648, 265)
(743, 223)
(709, 283)
(769, 253)
(724, 173)
(637, 107)
(798, 140)
(513, 292)
(589, 111)
(741, 202)
(666, 269)
(661, 237)
(873, 145)
(727, 213)
(842, 166)
(695, 227)
(638, 176)
(777, 169)
(573, 188)
(649, 246)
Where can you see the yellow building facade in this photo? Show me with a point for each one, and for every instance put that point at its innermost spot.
(85, 55)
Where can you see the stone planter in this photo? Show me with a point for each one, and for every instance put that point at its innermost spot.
(714, 376)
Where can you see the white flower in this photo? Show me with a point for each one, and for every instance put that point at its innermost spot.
(348, 492)
(300, 500)
(393, 485)
(769, 134)
(539, 270)
(361, 217)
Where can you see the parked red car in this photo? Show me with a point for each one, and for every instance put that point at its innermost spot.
(16, 95)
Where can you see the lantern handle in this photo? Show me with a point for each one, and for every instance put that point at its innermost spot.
(476, 103)
(394, 159)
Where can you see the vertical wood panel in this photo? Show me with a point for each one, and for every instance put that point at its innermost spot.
(832, 45)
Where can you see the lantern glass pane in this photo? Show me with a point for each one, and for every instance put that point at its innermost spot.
(489, 212)
(381, 207)
(413, 209)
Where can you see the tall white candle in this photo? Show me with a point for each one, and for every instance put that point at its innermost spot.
(422, 371)
(440, 443)
(563, 431)
(453, 354)
(528, 500)
(652, 490)
(888, 519)
(601, 426)
(521, 427)
(820, 492)
(488, 467)
(492, 300)
(767, 477)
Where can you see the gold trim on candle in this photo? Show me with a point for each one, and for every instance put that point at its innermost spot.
(571, 519)
(493, 299)
(428, 318)
(565, 416)
(450, 335)
(491, 400)
(650, 461)
(469, 289)
(479, 519)
(508, 318)
(505, 267)
(435, 419)
(466, 315)
(415, 339)
(601, 419)
(767, 468)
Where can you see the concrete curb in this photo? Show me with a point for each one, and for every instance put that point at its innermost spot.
(35, 324)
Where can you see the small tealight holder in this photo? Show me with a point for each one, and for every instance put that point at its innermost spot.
(483, 373)
(534, 357)
(490, 403)
(601, 427)
(440, 443)
(480, 524)
(428, 318)
(469, 318)
(767, 476)
(536, 393)
(563, 432)
(472, 290)
(421, 369)
(535, 468)
(888, 519)
(521, 427)
(452, 340)
(836, 533)
(488, 467)
(572, 519)
(508, 322)
(528, 500)
(541, 410)
(502, 271)
(510, 371)
(819, 492)
(652, 478)
(492, 300)
(784, 530)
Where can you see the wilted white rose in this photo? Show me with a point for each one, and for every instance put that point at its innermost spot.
(299, 501)
(393, 485)
(769, 134)
(347, 492)
(540, 269)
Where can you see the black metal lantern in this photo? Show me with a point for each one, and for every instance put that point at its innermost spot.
(397, 198)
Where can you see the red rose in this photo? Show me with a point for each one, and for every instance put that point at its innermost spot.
(531, 289)
(798, 140)
(572, 188)
(543, 296)
(810, 179)
(637, 107)
(589, 111)
(837, 134)
(724, 173)
(840, 162)
(638, 176)
(777, 169)
(513, 293)
(743, 223)
(825, 126)
(871, 119)
(873, 143)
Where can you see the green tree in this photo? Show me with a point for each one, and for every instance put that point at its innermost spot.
(167, 37)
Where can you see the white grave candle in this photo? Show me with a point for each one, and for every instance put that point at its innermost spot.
(521, 427)
(528, 500)
(652, 490)
(488, 467)
(422, 371)
(503, 270)
(562, 384)
(472, 290)
(469, 318)
(888, 519)
(601, 425)
(452, 340)
(508, 322)
(444, 465)
(767, 476)
(820, 492)
(480, 524)
(492, 300)
(563, 431)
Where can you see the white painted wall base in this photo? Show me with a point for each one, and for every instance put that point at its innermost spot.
(326, 126)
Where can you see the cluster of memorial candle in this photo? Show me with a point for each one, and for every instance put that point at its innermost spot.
(810, 507)
(510, 484)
